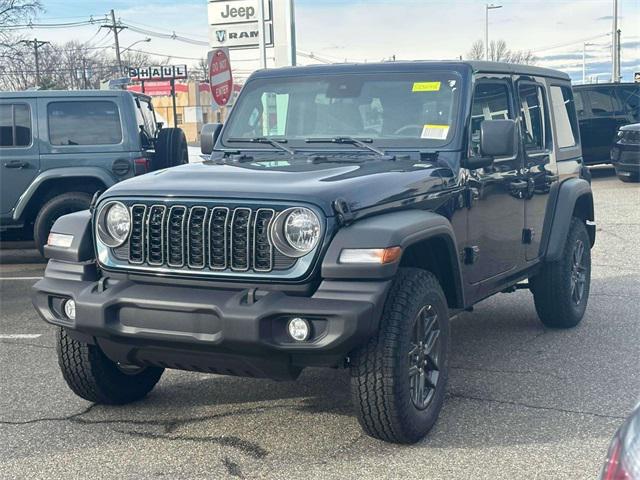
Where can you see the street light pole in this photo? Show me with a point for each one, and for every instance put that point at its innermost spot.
(487, 7)
(614, 45)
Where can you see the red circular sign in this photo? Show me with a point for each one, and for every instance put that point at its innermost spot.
(220, 77)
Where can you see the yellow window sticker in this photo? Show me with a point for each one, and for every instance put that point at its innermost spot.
(435, 132)
(426, 87)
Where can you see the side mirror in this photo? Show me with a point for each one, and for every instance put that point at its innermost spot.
(208, 137)
(498, 138)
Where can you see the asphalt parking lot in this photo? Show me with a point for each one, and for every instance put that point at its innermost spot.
(523, 402)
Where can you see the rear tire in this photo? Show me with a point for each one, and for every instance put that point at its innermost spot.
(92, 376)
(171, 149)
(54, 209)
(561, 289)
(398, 379)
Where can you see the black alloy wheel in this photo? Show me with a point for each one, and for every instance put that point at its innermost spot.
(423, 357)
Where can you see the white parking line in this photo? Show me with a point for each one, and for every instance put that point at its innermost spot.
(14, 336)
(20, 278)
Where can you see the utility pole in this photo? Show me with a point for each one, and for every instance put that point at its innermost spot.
(487, 7)
(36, 44)
(116, 29)
(614, 44)
(618, 52)
(584, 61)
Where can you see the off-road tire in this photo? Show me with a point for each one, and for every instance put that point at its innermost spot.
(170, 149)
(55, 208)
(380, 383)
(92, 376)
(552, 286)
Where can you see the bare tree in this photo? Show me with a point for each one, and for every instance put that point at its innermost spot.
(477, 51)
(500, 52)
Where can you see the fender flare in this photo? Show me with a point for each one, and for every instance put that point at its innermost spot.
(77, 224)
(404, 229)
(568, 195)
(60, 173)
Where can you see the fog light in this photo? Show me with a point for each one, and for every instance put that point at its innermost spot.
(299, 329)
(70, 309)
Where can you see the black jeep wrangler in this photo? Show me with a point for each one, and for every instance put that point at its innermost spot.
(346, 214)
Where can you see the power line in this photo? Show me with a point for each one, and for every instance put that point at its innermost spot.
(170, 36)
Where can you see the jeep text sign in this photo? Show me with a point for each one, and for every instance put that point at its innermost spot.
(224, 12)
(220, 77)
(158, 72)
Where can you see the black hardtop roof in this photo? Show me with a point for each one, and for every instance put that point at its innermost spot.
(68, 93)
(411, 66)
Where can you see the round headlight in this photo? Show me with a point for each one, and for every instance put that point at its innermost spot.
(296, 231)
(114, 224)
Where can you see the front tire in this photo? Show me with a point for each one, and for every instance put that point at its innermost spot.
(92, 376)
(561, 289)
(398, 379)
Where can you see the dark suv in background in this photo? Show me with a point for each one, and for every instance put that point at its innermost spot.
(602, 109)
(58, 148)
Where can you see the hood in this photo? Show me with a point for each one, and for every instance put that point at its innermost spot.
(361, 185)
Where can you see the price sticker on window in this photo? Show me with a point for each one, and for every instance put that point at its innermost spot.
(435, 132)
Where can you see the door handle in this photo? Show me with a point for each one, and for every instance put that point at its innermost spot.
(16, 164)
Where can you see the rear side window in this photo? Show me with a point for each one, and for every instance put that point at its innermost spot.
(15, 125)
(533, 117)
(84, 123)
(565, 116)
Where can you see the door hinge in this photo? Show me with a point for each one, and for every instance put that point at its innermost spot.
(527, 236)
(470, 254)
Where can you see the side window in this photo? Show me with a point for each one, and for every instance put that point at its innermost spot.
(490, 102)
(84, 123)
(533, 117)
(603, 102)
(565, 116)
(629, 96)
(579, 100)
(15, 125)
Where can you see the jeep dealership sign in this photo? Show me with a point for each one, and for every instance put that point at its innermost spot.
(224, 12)
(234, 23)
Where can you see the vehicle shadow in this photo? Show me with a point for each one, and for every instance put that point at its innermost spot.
(497, 353)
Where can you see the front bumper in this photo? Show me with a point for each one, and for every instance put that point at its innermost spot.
(239, 331)
(626, 158)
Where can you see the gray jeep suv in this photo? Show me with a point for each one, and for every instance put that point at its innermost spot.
(58, 148)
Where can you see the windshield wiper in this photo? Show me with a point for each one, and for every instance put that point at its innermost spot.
(362, 143)
(270, 141)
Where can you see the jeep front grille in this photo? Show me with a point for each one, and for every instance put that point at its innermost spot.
(206, 238)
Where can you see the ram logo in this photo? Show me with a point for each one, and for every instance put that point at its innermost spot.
(221, 35)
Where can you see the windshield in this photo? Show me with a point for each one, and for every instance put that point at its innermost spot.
(390, 110)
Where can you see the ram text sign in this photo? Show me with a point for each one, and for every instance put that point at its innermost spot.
(239, 35)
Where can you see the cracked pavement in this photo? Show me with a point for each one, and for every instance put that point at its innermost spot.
(523, 402)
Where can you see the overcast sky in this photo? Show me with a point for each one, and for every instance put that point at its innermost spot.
(372, 30)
